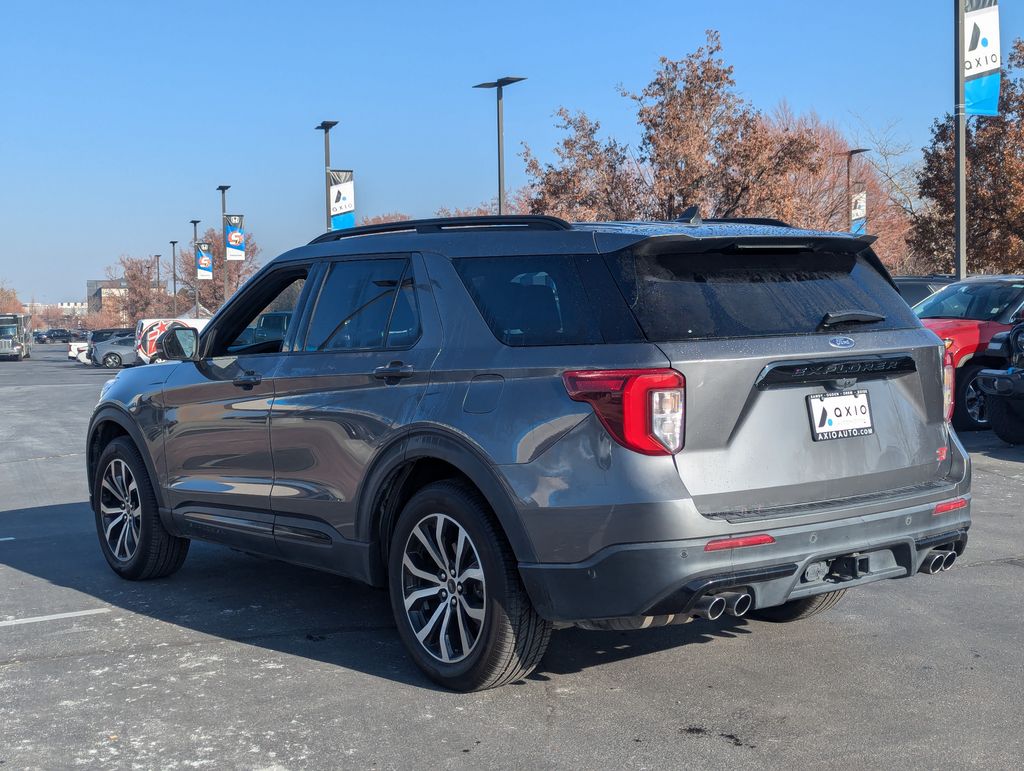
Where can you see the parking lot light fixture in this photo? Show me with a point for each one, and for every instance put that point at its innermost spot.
(174, 277)
(849, 192)
(498, 85)
(195, 240)
(326, 126)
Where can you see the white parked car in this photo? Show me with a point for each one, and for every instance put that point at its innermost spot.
(77, 349)
(148, 330)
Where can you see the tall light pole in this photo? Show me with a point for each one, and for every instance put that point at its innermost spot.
(326, 126)
(499, 84)
(959, 145)
(195, 283)
(174, 278)
(224, 249)
(849, 191)
(157, 258)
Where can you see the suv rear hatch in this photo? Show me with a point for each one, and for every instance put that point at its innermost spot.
(810, 384)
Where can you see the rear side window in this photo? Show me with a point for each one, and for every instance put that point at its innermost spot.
(530, 301)
(718, 295)
(365, 305)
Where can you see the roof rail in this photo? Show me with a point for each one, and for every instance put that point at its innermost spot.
(450, 224)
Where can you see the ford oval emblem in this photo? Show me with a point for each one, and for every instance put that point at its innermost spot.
(842, 342)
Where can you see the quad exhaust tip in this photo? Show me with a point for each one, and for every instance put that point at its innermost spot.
(737, 603)
(937, 561)
(710, 608)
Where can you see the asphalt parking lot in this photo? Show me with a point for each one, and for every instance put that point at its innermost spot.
(241, 662)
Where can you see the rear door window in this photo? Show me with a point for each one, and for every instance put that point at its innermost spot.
(724, 295)
(365, 305)
(531, 300)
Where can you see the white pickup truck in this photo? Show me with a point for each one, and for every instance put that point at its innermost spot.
(148, 330)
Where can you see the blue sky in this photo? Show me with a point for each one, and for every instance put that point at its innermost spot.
(119, 120)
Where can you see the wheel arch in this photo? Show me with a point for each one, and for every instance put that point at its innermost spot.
(419, 458)
(106, 425)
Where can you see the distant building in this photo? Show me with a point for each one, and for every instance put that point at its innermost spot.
(73, 308)
(100, 292)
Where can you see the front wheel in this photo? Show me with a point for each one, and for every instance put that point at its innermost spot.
(111, 361)
(133, 539)
(460, 606)
(794, 610)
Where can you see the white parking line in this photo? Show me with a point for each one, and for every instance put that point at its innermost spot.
(54, 617)
(8, 538)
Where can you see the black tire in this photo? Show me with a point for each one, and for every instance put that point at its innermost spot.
(967, 390)
(512, 637)
(794, 610)
(1007, 418)
(157, 553)
(111, 361)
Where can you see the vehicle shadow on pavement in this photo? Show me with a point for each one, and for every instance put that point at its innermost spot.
(261, 602)
(991, 446)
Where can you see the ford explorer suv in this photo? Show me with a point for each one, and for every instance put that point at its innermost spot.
(966, 315)
(515, 422)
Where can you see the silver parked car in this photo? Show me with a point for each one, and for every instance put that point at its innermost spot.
(115, 352)
(516, 422)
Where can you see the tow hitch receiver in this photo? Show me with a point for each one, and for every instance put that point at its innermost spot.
(850, 567)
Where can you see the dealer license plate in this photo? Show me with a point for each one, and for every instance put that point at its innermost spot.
(840, 415)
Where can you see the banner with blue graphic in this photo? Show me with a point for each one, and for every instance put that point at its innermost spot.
(204, 261)
(234, 237)
(982, 57)
(343, 199)
(859, 213)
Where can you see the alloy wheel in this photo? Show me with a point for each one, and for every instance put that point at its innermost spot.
(443, 588)
(974, 402)
(111, 361)
(120, 510)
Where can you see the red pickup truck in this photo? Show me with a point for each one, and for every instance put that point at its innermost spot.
(966, 315)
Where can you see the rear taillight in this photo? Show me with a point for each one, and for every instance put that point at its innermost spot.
(643, 409)
(948, 376)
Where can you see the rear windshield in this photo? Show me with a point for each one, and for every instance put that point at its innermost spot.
(699, 296)
(976, 301)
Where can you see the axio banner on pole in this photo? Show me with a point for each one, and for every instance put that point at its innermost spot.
(204, 261)
(981, 57)
(859, 212)
(234, 237)
(343, 199)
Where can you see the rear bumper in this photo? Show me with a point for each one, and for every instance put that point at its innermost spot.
(996, 382)
(662, 578)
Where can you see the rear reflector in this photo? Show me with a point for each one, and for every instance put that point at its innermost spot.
(739, 543)
(953, 505)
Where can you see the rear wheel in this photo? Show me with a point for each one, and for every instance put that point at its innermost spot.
(794, 610)
(459, 603)
(970, 412)
(132, 537)
(111, 361)
(1007, 418)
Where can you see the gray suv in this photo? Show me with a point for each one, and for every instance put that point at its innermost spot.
(515, 423)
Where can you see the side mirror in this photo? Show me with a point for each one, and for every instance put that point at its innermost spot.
(177, 344)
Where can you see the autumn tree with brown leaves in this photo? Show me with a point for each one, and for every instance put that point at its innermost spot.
(211, 292)
(702, 144)
(995, 185)
(9, 302)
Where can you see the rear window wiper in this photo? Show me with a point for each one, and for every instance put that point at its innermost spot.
(834, 318)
